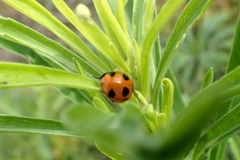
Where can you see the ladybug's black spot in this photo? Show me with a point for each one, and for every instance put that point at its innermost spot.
(125, 77)
(111, 74)
(125, 91)
(111, 94)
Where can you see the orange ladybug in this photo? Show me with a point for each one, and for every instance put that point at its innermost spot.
(117, 86)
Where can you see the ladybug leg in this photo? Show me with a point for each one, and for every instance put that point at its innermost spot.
(95, 77)
(99, 77)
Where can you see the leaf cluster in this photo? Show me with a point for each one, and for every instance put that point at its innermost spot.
(155, 123)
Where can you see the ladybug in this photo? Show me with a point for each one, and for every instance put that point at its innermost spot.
(117, 86)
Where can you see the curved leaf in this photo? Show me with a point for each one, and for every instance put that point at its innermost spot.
(21, 75)
(208, 79)
(179, 103)
(167, 102)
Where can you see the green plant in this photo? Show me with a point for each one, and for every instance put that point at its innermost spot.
(141, 128)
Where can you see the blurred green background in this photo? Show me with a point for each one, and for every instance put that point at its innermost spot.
(207, 45)
(42, 102)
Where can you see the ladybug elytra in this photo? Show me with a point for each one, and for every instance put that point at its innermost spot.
(117, 86)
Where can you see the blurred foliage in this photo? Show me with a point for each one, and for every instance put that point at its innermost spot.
(34, 102)
(206, 46)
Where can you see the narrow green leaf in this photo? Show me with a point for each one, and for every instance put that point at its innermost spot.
(98, 102)
(208, 79)
(219, 152)
(34, 10)
(148, 42)
(79, 68)
(138, 64)
(114, 30)
(157, 55)
(148, 15)
(21, 75)
(17, 124)
(235, 52)
(138, 21)
(120, 16)
(109, 32)
(92, 32)
(18, 33)
(128, 16)
(235, 146)
(156, 58)
(186, 20)
(23, 51)
(75, 95)
(137, 36)
(221, 130)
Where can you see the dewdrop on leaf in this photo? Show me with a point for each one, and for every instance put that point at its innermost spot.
(82, 11)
